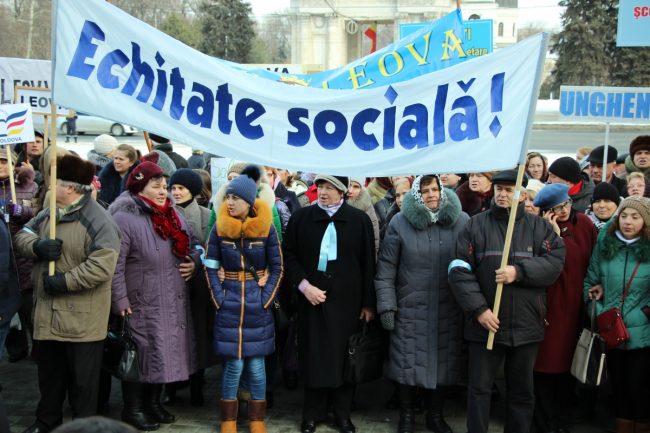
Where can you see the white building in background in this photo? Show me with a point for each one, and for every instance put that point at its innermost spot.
(330, 32)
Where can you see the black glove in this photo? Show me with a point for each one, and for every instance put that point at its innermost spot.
(55, 285)
(48, 249)
(387, 319)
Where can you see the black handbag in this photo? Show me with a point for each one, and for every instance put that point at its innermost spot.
(121, 353)
(364, 361)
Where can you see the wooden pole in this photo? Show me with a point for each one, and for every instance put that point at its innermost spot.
(46, 130)
(458, 4)
(148, 141)
(506, 247)
(10, 166)
(53, 155)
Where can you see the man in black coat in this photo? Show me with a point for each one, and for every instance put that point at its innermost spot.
(596, 163)
(536, 260)
(164, 145)
(330, 258)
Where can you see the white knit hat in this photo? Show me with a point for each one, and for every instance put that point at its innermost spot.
(105, 144)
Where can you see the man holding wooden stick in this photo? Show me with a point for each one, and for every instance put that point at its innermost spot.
(535, 261)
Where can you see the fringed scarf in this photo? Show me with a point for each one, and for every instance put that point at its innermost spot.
(167, 224)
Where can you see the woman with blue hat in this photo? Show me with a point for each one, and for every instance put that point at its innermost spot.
(553, 381)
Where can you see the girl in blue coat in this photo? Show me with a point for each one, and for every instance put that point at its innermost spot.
(244, 242)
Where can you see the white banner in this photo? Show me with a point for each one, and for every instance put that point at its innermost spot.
(469, 117)
(39, 100)
(15, 124)
(22, 72)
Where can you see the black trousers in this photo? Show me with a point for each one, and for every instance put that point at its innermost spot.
(71, 369)
(552, 400)
(520, 399)
(629, 372)
(316, 402)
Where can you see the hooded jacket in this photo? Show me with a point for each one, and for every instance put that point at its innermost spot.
(426, 346)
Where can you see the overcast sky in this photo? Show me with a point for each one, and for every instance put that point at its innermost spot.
(545, 12)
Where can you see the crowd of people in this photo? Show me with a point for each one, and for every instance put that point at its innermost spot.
(275, 271)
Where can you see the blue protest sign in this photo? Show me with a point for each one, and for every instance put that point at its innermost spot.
(477, 36)
(605, 104)
(633, 24)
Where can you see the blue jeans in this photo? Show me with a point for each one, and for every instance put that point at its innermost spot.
(256, 374)
(4, 331)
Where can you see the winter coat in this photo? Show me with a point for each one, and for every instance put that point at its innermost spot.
(324, 330)
(35, 161)
(98, 159)
(196, 161)
(91, 244)
(10, 299)
(168, 150)
(392, 211)
(472, 202)
(112, 183)
(611, 265)
(630, 167)
(382, 206)
(582, 199)
(148, 281)
(536, 252)
(26, 192)
(244, 324)
(362, 202)
(201, 307)
(564, 297)
(620, 185)
(426, 346)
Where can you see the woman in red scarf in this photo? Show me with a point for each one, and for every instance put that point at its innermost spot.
(158, 255)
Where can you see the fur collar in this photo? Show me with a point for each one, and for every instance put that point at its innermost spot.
(264, 192)
(418, 215)
(611, 246)
(362, 202)
(253, 227)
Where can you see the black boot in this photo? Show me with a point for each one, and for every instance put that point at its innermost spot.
(133, 412)
(152, 405)
(434, 420)
(406, 395)
(196, 389)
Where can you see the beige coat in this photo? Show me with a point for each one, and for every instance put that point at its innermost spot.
(91, 244)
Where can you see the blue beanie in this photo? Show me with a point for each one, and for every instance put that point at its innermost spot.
(551, 195)
(244, 186)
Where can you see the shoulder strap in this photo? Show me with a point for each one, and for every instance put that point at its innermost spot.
(250, 268)
(629, 283)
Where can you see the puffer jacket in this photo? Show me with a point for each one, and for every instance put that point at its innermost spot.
(91, 244)
(426, 346)
(611, 265)
(536, 252)
(10, 299)
(244, 324)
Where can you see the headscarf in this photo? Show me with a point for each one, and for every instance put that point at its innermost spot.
(415, 191)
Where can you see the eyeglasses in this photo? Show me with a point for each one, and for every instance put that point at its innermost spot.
(561, 207)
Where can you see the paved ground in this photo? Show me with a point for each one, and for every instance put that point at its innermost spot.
(20, 393)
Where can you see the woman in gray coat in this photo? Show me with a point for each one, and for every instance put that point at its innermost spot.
(157, 256)
(414, 300)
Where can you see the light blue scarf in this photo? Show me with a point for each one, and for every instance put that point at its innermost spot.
(328, 244)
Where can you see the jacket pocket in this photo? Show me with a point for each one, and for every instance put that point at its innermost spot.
(70, 317)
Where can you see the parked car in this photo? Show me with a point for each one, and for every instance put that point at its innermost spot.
(87, 124)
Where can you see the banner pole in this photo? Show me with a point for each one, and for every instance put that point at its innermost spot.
(148, 141)
(604, 178)
(10, 167)
(53, 157)
(520, 177)
(46, 130)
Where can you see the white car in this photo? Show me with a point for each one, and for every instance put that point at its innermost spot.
(87, 124)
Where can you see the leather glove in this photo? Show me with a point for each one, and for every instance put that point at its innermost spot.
(48, 249)
(387, 319)
(14, 210)
(55, 285)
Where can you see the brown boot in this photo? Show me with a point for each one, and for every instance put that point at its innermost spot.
(624, 425)
(256, 414)
(228, 416)
(642, 428)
